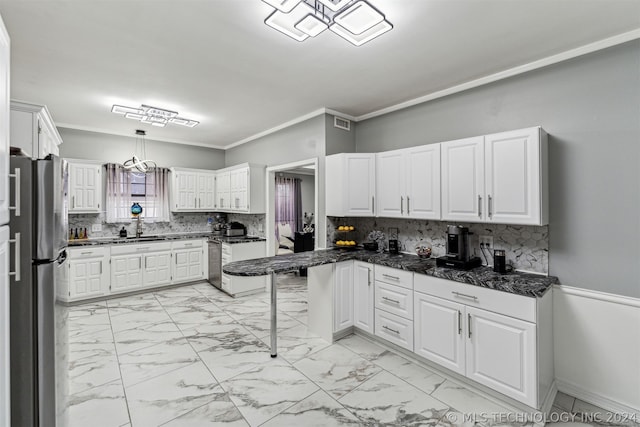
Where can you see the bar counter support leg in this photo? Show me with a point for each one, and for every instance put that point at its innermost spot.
(274, 323)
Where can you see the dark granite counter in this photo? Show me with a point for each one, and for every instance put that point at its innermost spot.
(133, 239)
(232, 240)
(526, 284)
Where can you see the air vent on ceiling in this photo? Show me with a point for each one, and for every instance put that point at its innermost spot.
(341, 123)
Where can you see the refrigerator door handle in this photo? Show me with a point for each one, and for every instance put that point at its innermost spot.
(16, 176)
(62, 257)
(16, 241)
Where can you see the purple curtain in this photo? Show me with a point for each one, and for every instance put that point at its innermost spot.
(289, 202)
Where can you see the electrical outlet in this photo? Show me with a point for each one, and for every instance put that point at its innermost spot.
(488, 242)
(260, 227)
(96, 227)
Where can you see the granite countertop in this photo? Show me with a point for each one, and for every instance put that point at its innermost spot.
(161, 237)
(525, 284)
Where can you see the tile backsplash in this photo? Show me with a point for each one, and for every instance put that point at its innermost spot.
(527, 247)
(187, 222)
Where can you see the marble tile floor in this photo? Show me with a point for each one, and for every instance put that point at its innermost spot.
(193, 356)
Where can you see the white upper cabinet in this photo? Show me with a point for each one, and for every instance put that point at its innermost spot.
(241, 189)
(350, 184)
(516, 177)
(408, 183)
(33, 130)
(85, 187)
(192, 190)
(463, 179)
(501, 178)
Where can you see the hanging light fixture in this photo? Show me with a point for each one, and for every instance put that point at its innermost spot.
(153, 115)
(135, 162)
(356, 21)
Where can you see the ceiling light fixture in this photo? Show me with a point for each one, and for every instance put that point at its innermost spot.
(134, 162)
(153, 115)
(356, 21)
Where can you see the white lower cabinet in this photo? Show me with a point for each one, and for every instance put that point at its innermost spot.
(343, 296)
(395, 329)
(394, 306)
(157, 268)
(126, 272)
(240, 285)
(363, 296)
(88, 274)
(188, 261)
(497, 339)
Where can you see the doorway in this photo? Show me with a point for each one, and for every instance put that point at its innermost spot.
(306, 170)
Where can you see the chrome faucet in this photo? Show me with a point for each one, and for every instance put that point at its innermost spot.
(139, 226)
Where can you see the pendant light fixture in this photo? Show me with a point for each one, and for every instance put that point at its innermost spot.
(135, 162)
(356, 21)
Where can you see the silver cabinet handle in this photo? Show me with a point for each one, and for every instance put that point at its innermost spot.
(459, 322)
(390, 277)
(389, 329)
(188, 244)
(100, 267)
(373, 204)
(16, 176)
(145, 262)
(479, 206)
(469, 324)
(369, 276)
(73, 202)
(142, 248)
(458, 294)
(16, 258)
(391, 300)
(490, 209)
(401, 205)
(86, 253)
(408, 210)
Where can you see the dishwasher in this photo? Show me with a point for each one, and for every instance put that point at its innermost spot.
(215, 263)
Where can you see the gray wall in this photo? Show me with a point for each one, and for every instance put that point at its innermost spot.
(301, 141)
(339, 140)
(590, 106)
(79, 144)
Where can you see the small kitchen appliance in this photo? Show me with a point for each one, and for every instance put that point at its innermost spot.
(236, 229)
(499, 261)
(219, 224)
(458, 250)
(393, 247)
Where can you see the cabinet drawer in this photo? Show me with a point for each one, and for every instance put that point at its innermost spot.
(394, 329)
(394, 276)
(394, 299)
(140, 248)
(87, 252)
(226, 259)
(512, 305)
(187, 244)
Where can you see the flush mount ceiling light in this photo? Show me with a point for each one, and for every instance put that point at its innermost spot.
(356, 21)
(153, 116)
(134, 162)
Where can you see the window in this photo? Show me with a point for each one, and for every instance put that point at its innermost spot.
(125, 187)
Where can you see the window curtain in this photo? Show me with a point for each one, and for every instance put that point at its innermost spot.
(289, 202)
(119, 198)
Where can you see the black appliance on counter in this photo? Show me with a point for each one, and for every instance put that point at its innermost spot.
(236, 229)
(458, 250)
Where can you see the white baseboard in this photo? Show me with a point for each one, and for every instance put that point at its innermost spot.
(597, 347)
(596, 399)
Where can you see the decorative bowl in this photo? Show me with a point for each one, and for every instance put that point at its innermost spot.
(423, 250)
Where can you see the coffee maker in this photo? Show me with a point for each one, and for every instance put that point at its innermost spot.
(459, 250)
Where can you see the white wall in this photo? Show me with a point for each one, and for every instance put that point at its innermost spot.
(597, 347)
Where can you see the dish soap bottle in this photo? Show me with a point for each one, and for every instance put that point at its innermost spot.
(123, 232)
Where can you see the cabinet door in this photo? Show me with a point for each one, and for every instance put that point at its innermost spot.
(239, 189)
(187, 265)
(360, 184)
(85, 187)
(390, 184)
(423, 182)
(185, 191)
(126, 272)
(4, 135)
(501, 354)
(463, 180)
(206, 191)
(439, 331)
(5, 369)
(223, 191)
(157, 269)
(343, 296)
(512, 177)
(363, 301)
(87, 278)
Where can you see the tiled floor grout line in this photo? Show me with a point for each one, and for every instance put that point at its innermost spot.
(115, 349)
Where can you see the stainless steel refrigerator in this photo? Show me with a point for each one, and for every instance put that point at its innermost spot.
(39, 224)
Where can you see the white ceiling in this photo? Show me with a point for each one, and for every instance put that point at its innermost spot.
(216, 62)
